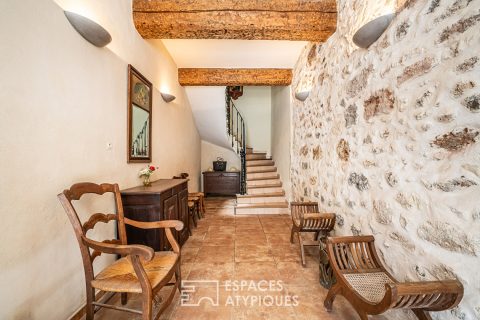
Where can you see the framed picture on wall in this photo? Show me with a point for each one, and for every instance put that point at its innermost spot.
(139, 146)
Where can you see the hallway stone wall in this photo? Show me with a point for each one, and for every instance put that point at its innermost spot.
(389, 138)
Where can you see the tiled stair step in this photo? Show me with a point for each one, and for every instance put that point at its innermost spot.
(257, 156)
(261, 210)
(264, 177)
(261, 169)
(270, 185)
(271, 194)
(282, 204)
(260, 199)
(261, 175)
(260, 163)
(264, 182)
(261, 191)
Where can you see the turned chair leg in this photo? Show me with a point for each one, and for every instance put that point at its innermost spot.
(363, 315)
(89, 308)
(178, 277)
(202, 207)
(147, 306)
(332, 293)
(302, 250)
(197, 210)
(191, 214)
(421, 314)
(123, 298)
(194, 217)
(292, 232)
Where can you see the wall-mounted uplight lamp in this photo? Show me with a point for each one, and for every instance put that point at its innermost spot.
(88, 29)
(302, 95)
(370, 32)
(167, 97)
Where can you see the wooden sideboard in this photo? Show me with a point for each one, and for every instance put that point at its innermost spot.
(225, 183)
(165, 199)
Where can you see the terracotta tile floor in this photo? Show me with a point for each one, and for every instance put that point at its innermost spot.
(225, 247)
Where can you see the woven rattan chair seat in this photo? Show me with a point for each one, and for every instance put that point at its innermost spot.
(370, 286)
(120, 276)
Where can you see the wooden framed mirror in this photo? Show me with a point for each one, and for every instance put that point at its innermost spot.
(139, 147)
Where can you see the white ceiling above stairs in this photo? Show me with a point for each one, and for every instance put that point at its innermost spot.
(212, 53)
(208, 107)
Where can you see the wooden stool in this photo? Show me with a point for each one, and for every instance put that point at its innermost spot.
(196, 201)
(191, 214)
(201, 197)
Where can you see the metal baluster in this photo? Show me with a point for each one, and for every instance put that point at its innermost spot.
(236, 136)
(236, 131)
(244, 156)
(231, 120)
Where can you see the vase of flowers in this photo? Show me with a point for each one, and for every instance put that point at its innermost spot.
(146, 173)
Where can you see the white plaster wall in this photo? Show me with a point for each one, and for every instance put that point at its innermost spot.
(208, 106)
(211, 151)
(281, 134)
(63, 100)
(255, 107)
(381, 139)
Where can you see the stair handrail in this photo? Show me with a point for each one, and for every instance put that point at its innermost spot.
(235, 122)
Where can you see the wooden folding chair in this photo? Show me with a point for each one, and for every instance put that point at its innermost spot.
(306, 218)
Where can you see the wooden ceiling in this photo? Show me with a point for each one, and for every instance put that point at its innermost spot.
(313, 20)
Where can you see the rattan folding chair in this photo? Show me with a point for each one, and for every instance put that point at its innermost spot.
(367, 285)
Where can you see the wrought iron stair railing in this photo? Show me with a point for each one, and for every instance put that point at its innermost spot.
(236, 132)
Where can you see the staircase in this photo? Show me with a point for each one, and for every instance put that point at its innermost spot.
(261, 190)
(265, 194)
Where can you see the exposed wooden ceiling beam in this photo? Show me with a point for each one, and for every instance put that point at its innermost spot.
(238, 5)
(234, 77)
(312, 20)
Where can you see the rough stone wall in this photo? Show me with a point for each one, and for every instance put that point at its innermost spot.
(389, 138)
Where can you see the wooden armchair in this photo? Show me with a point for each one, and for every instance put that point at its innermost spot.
(139, 270)
(368, 286)
(306, 218)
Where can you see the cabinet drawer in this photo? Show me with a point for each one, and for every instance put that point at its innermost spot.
(222, 179)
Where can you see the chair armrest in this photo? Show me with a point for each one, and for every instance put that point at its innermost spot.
(425, 294)
(350, 239)
(318, 216)
(145, 252)
(165, 224)
(178, 225)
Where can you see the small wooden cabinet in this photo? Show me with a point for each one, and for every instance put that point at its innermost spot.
(225, 183)
(166, 199)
